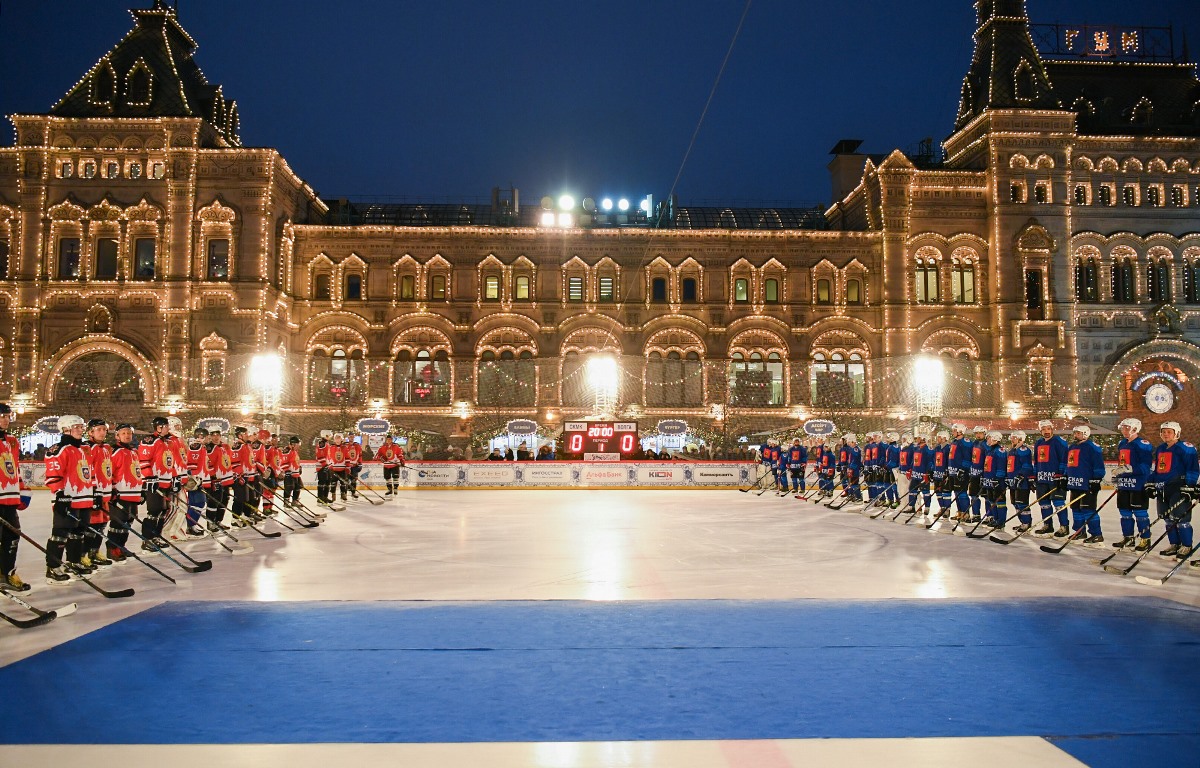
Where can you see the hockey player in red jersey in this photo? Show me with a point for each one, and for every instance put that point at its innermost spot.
(292, 481)
(99, 455)
(392, 458)
(69, 477)
(220, 460)
(272, 471)
(199, 483)
(13, 498)
(160, 472)
(354, 460)
(335, 454)
(127, 491)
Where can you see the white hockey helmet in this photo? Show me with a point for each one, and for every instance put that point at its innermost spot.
(960, 428)
(994, 436)
(1167, 425)
(175, 425)
(892, 437)
(943, 434)
(1017, 435)
(1135, 425)
(67, 423)
(850, 437)
(1082, 429)
(906, 437)
(979, 428)
(1045, 423)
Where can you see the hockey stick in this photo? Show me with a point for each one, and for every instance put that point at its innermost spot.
(112, 595)
(367, 491)
(305, 512)
(332, 504)
(128, 552)
(1081, 529)
(246, 521)
(40, 617)
(1033, 503)
(1159, 582)
(757, 482)
(1136, 561)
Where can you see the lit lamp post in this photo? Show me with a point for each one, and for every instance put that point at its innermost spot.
(929, 381)
(266, 376)
(602, 375)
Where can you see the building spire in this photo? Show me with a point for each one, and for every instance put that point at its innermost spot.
(1006, 70)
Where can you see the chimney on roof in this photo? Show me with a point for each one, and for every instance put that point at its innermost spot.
(845, 169)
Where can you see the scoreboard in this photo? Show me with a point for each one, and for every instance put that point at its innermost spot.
(600, 440)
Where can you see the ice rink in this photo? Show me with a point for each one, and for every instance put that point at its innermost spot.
(608, 628)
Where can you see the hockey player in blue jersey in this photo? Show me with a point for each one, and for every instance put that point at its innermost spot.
(975, 471)
(920, 467)
(939, 477)
(795, 458)
(1085, 470)
(769, 458)
(1135, 462)
(959, 464)
(850, 465)
(870, 464)
(992, 482)
(826, 468)
(1175, 475)
(1050, 462)
(1021, 479)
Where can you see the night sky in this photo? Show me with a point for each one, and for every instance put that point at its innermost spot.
(442, 101)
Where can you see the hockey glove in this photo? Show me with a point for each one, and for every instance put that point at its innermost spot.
(98, 500)
(1094, 486)
(1151, 490)
(25, 501)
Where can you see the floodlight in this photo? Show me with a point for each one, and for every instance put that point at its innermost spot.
(606, 203)
(566, 203)
(623, 204)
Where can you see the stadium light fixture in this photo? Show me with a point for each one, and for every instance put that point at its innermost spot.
(606, 204)
(566, 203)
(622, 205)
(266, 375)
(929, 380)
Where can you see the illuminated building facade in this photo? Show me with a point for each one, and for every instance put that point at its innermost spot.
(1051, 259)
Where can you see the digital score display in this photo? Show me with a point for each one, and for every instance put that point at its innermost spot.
(600, 440)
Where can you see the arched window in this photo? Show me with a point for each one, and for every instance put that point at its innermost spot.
(137, 86)
(927, 281)
(1123, 288)
(1087, 280)
(354, 287)
(962, 280)
(854, 292)
(338, 378)
(771, 291)
(106, 258)
(837, 380)
(437, 288)
(757, 381)
(674, 381)
(522, 288)
(408, 287)
(824, 291)
(741, 290)
(422, 378)
(321, 289)
(507, 380)
(68, 258)
(491, 288)
(1191, 282)
(1158, 281)
(689, 290)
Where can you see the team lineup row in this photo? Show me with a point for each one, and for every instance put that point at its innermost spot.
(982, 475)
(100, 488)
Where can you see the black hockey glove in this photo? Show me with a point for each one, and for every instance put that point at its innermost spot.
(98, 500)
(1151, 490)
(1094, 486)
